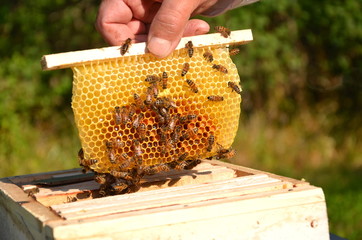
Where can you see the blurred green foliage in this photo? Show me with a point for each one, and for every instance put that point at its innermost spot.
(301, 79)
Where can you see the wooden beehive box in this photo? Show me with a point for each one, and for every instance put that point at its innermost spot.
(216, 200)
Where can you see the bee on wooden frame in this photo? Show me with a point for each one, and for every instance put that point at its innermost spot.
(124, 48)
(225, 32)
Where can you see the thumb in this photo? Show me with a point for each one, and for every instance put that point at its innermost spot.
(168, 26)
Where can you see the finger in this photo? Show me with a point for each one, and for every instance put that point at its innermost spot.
(168, 26)
(196, 27)
(113, 15)
(144, 10)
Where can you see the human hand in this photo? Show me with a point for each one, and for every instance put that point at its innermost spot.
(161, 23)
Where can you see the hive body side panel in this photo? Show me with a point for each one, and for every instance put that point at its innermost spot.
(283, 215)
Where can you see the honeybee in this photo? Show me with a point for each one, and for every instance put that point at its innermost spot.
(116, 143)
(119, 187)
(138, 102)
(234, 51)
(164, 143)
(161, 167)
(124, 48)
(190, 133)
(131, 110)
(208, 56)
(124, 175)
(80, 155)
(124, 115)
(189, 47)
(159, 103)
(156, 169)
(117, 115)
(154, 90)
(166, 148)
(149, 96)
(168, 103)
(225, 153)
(164, 113)
(126, 161)
(110, 152)
(164, 102)
(225, 32)
(85, 162)
(142, 131)
(187, 118)
(182, 157)
(234, 87)
(101, 179)
(137, 151)
(164, 80)
(215, 98)
(220, 68)
(160, 119)
(32, 191)
(71, 199)
(124, 157)
(172, 123)
(192, 85)
(152, 79)
(185, 69)
(210, 142)
(189, 164)
(192, 163)
(231, 153)
(88, 162)
(175, 136)
(137, 120)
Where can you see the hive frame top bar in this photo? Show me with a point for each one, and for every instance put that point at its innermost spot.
(70, 59)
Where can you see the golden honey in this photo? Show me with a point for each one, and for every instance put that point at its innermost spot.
(99, 87)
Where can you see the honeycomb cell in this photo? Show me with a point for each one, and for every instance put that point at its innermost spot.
(100, 87)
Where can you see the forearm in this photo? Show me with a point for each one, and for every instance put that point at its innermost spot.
(225, 5)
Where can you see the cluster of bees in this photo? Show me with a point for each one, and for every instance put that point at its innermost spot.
(171, 126)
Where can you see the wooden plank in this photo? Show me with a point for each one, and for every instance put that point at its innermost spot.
(69, 59)
(242, 171)
(263, 210)
(83, 191)
(164, 197)
(21, 215)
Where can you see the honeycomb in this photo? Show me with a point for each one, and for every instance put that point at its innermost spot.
(200, 126)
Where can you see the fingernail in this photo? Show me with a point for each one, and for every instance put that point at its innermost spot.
(159, 47)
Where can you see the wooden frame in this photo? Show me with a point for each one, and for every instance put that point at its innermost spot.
(216, 200)
(69, 59)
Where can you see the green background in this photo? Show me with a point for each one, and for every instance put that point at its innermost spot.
(301, 79)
